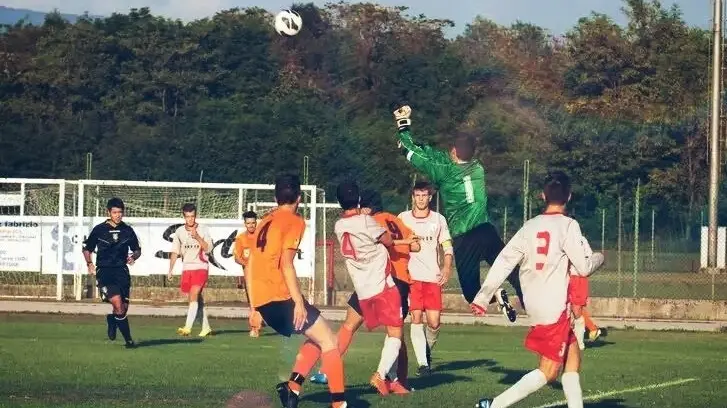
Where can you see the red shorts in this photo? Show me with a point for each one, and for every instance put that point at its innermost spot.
(193, 278)
(578, 290)
(425, 296)
(551, 340)
(383, 309)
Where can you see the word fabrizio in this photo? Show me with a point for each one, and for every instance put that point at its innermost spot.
(17, 224)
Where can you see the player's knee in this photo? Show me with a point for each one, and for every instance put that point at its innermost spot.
(551, 374)
(395, 332)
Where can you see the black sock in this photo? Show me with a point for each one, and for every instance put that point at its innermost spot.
(122, 321)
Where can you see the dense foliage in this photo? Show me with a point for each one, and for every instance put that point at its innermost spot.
(157, 99)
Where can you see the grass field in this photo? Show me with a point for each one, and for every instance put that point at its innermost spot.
(66, 361)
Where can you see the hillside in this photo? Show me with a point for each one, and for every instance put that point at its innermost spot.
(11, 16)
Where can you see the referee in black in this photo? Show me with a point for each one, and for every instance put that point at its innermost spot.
(116, 246)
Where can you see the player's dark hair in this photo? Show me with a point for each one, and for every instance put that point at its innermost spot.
(287, 189)
(188, 208)
(249, 214)
(465, 145)
(423, 185)
(557, 188)
(372, 199)
(115, 203)
(347, 194)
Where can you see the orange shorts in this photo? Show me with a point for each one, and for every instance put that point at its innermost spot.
(425, 296)
(578, 290)
(193, 278)
(551, 340)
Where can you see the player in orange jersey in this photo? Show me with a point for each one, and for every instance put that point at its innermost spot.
(243, 245)
(275, 293)
(404, 242)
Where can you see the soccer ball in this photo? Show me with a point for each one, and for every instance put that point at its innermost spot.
(288, 23)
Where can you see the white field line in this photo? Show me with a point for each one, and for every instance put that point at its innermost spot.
(605, 394)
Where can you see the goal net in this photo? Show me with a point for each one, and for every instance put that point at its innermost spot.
(153, 209)
(34, 256)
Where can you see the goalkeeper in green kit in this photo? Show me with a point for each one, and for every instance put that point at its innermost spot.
(460, 179)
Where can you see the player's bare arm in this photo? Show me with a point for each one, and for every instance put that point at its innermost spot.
(291, 281)
(446, 271)
(386, 239)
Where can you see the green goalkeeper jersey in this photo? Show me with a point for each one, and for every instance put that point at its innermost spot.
(461, 185)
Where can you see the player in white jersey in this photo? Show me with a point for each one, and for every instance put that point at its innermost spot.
(544, 248)
(193, 243)
(363, 243)
(427, 277)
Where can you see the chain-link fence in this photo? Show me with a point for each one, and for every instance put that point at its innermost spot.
(652, 249)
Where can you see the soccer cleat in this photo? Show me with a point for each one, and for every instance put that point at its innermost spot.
(594, 334)
(254, 333)
(319, 378)
(507, 310)
(395, 387)
(288, 398)
(484, 403)
(205, 332)
(111, 326)
(184, 331)
(379, 384)
(130, 344)
(423, 370)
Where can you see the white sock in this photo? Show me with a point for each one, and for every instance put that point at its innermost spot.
(389, 354)
(205, 321)
(579, 327)
(527, 385)
(419, 341)
(191, 314)
(432, 337)
(572, 389)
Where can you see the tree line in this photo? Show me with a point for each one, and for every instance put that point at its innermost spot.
(158, 99)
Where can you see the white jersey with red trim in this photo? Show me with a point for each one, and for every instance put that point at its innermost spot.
(188, 248)
(544, 248)
(367, 260)
(432, 231)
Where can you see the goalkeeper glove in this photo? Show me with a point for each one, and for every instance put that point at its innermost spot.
(402, 117)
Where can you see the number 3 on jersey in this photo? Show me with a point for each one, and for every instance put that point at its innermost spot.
(347, 247)
(542, 250)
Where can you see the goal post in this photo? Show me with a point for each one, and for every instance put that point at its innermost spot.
(35, 240)
(153, 209)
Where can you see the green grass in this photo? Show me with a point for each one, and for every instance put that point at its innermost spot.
(65, 361)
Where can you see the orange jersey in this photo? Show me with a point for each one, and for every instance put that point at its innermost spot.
(398, 254)
(243, 245)
(278, 231)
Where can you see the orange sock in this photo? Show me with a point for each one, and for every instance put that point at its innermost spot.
(402, 368)
(589, 322)
(332, 366)
(345, 336)
(307, 357)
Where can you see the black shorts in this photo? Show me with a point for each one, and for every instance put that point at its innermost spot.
(113, 282)
(279, 316)
(403, 291)
(481, 243)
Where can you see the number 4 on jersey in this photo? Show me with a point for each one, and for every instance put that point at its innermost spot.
(347, 247)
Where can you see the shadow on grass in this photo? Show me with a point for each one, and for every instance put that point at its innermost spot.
(465, 364)
(166, 342)
(355, 393)
(598, 344)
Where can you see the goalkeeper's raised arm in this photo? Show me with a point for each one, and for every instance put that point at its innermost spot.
(432, 162)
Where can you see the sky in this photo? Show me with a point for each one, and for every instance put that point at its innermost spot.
(558, 16)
